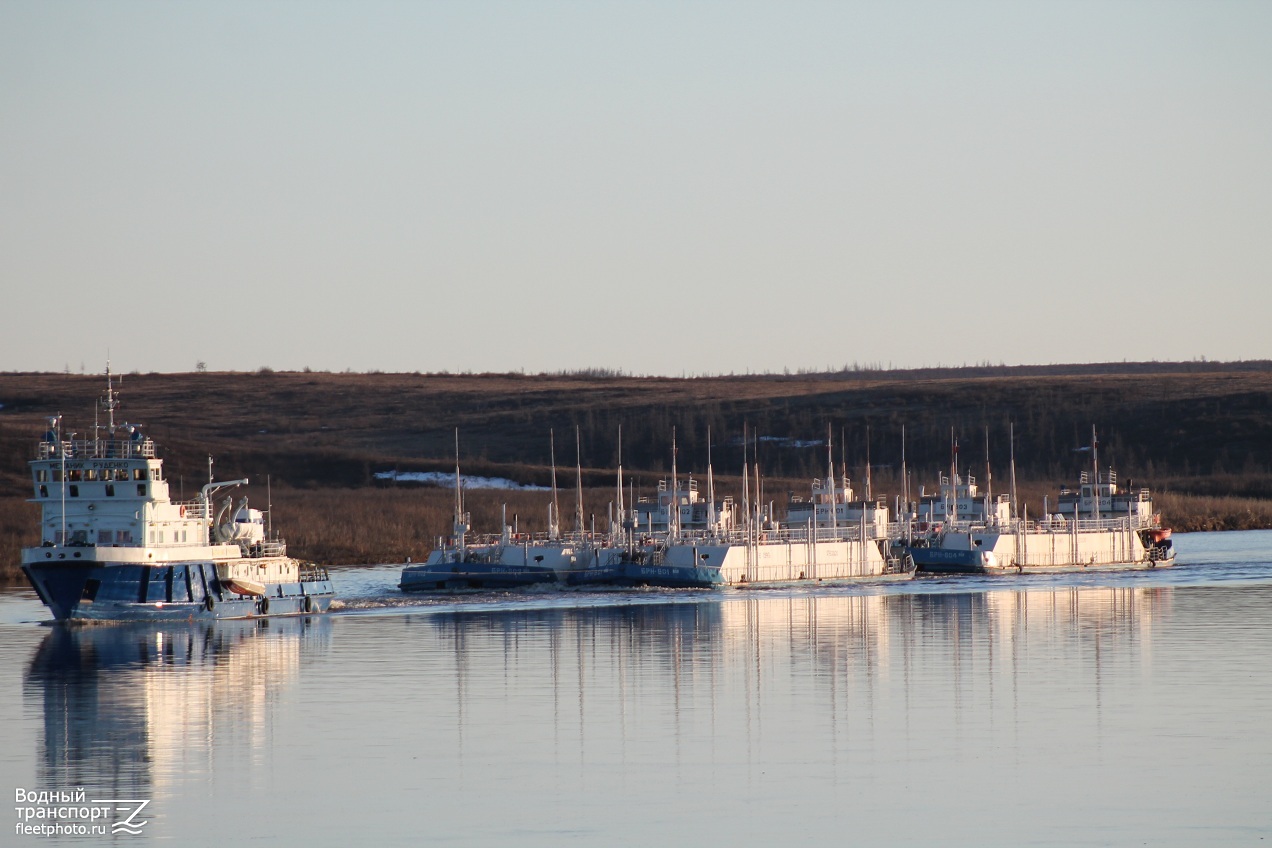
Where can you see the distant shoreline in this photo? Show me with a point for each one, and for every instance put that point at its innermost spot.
(1198, 434)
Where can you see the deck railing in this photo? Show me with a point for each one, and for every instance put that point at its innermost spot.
(97, 449)
(195, 509)
(735, 536)
(313, 573)
(1016, 525)
(266, 548)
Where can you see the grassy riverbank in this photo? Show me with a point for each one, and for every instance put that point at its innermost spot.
(1199, 434)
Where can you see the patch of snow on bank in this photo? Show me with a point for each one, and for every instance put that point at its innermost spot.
(447, 480)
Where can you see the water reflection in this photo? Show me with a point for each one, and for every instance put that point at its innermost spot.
(1054, 715)
(832, 658)
(132, 710)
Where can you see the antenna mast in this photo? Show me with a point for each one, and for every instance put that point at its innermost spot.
(61, 452)
(622, 513)
(905, 477)
(1012, 439)
(834, 496)
(746, 485)
(555, 512)
(461, 526)
(578, 468)
(759, 503)
(711, 506)
(869, 493)
(112, 401)
(1095, 489)
(989, 472)
(673, 513)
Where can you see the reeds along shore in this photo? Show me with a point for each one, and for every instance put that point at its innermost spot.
(1198, 434)
(391, 523)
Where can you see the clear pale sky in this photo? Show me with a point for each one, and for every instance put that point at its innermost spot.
(654, 187)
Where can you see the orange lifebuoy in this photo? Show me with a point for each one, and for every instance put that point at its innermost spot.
(183, 511)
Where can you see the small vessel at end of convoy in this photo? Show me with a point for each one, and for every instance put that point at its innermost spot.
(114, 546)
(1098, 525)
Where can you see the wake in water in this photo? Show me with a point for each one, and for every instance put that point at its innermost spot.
(376, 599)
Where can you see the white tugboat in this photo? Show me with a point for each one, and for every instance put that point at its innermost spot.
(114, 546)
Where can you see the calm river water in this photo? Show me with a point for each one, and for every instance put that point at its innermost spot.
(1129, 708)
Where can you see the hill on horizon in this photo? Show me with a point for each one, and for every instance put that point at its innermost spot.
(1154, 420)
(1200, 434)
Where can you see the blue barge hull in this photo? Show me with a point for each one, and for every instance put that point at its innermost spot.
(470, 575)
(630, 574)
(670, 576)
(945, 561)
(90, 591)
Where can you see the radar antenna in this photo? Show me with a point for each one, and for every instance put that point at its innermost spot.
(111, 402)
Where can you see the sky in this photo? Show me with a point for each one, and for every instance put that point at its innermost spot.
(651, 187)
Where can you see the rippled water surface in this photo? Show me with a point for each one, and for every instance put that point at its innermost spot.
(1123, 708)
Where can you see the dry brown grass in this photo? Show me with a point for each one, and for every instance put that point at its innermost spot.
(1199, 433)
(318, 429)
(1184, 512)
(391, 524)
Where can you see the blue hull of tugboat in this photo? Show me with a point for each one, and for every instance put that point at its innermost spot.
(472, 575)
(90, 591)
(943, 561)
